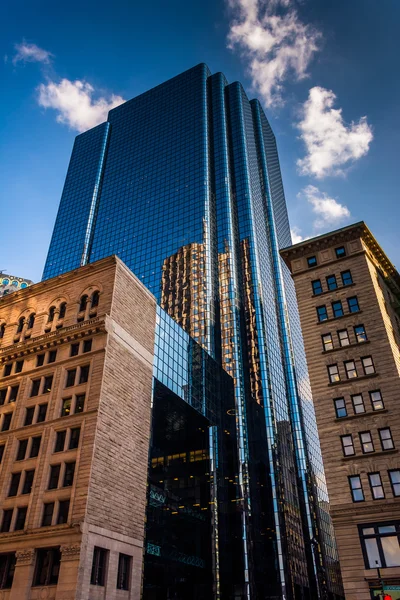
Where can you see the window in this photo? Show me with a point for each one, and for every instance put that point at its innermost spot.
(21, 517)
(63, 510)
(87, 345)
(18, 366)
(20, 324)
(69, 474)
(322, 313)
(47, 566)
(35, 387)
(381, 544)
(386, 438)
(80, 403)
(1, 452)
(7, 568)
(48, 382)
(367, 444)
(358, 404)
(23, 444)
(311, 261)
(51, 314)
(83, 302)
(327, 342)
(13, 393)
(63, 310)
(340, 407)
(95, 299)
(368, 365)
(331, 282)
(124, 567)
(6, 521)
(394, 477)
(3, 396)
(340, 252)
(356, 488)
(31, 321)
(343, 336)
(14, 485)
(359, 332)
(47, 514)
(346, 278)
(66, 407)
(317, 287)
(71, 374)
(74, 438)
(74, 351)
(347, 445)
(351, 370)
(7, 369)
(6, 421)
(54, 476)
(41, 413)
(84, 375)
(353, 304)
(35, 446)
(333, 372)
(40, 360)
(375, 483)
(2, 331)
(60, 441)
(376, 400)
(29, 477)
(29, 415)
(337, 309)
(99, 566)
(52, 356)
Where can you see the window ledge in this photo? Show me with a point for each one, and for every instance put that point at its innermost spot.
(338, 289)
(356, 345)
(368, 454)
(353, 380)
(358, 312)
(364, 414)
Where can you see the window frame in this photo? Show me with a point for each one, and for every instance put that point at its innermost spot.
(372, 365)
(356, 335)
(392, 484)
(377, 535)
(380, 485)
(330, 374)
(350, 306)
(340, 251)
(330, 342)
(99, 564)
(351, 445)
(345, 283)
(354, 489)
(373, 401)
(382, 440)
(334, 310)
(339, 331)
(316, 287)
(319, 313)
(361, 433)
(347, 371)
(333, 281)
(54, 559)
(356, 412)
(311, 261)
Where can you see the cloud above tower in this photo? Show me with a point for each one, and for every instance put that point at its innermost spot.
(329, 212)
(25, 52)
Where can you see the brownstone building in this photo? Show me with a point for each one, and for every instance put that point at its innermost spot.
(349, 298)
(76, 379)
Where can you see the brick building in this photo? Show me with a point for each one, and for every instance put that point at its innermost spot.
(349, 297)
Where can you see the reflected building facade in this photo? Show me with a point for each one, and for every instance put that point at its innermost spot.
(183, 183)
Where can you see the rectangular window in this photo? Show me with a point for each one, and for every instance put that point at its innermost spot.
(347, 445)
(394, 477)
(52, 356)
(63, 511)
(74, 439)
(367, 444)
(311, 261)
(66, 407)
(331, 282)
(368, 365)
(6, 521)
(317, 287)
(29, 477)
(47, 566)
(29, 415)
(6, 421)
(21, 517)
(48, 382)
(381, 544)
(327, 342)
(74, 351)
(385, 436)
(1, 452)
(14, 485)
(346, 277)
(35, 387)
(54, 476)
(18, 366)
(84, 375)
(99, 564)
(337, 309)
(351, 370)
(359, 332)
(69, 474)
(343, 336)
(358, 404)
(7, 369)
(353, 304)
(340, 252)
(376, 400)
(35, 447)
(322, 313)
(80, 403)
(71, 374)
(333, 372)
(356, 488)
(22, 449)
(375, 483)
(41, 413)
(40, 360)
(47, 514)
(340, 407)
(13, 393)
(124, 567)
(87, 345)
(60, 441)
(3, 396)
(7, 568)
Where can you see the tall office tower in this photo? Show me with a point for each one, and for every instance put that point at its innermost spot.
(349, 299)
(183, 184)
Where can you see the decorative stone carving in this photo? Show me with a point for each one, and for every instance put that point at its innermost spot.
(25, 557)
(71, 552)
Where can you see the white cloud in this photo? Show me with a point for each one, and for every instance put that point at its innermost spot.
(330, 143)
(296, 235)
(74, 102)
(31, 53)
(274, 41)
(328, 210)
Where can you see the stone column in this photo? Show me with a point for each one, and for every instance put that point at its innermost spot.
(23, 576)
(68, 577)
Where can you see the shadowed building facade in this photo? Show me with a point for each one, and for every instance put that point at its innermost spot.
(183, 184)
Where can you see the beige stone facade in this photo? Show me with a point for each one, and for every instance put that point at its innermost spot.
(76, 366)
(348, 295)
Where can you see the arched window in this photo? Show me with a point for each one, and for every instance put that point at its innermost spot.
(2, 330)
(63, 310)
(95, 299)
(82, 305)
(31, 320)
(52, 310)
(20, 324)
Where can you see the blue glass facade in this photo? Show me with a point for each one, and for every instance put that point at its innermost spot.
(183, 183)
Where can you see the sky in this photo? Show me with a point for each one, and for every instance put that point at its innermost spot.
(326, 73)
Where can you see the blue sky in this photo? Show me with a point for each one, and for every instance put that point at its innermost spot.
(327, 74)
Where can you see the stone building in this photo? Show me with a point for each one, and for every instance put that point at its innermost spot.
(348, 293)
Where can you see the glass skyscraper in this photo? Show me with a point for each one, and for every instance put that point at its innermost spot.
(183, 183)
